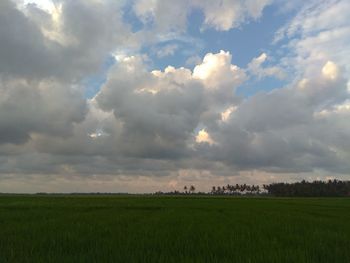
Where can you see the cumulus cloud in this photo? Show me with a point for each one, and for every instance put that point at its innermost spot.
(283, 130)
(163, 115)
(160, 110)
(138, 115)
(219, 77)
(154, 122)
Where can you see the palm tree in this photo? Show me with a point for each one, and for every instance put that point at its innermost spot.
(185, 189)
(228, 188)
(192, 189)
(254, 189)
(213, 190)
(258, 189)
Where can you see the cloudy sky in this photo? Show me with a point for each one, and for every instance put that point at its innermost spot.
(146, 95)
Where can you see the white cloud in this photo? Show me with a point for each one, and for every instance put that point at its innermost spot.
(330, 70)
(204, 137)
(255, 67)
(226, 114)
(228, 14)
(222, 15)
(168, 50)
(193, 60)
(216, 70)
(320, 32)
(46, 5)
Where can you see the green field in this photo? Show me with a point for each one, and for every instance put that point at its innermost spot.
(173, 229)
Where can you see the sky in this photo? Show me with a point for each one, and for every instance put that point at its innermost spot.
(146, 95)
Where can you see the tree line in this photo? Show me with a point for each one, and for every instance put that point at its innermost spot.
(330, 188)
(236, 189)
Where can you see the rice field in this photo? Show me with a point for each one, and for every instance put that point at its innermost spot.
(199, 229)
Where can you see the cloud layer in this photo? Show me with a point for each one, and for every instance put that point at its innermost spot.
(176, 122)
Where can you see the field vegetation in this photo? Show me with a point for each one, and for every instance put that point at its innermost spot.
(73, 228)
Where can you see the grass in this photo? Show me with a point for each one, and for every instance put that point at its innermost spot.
(173, 229)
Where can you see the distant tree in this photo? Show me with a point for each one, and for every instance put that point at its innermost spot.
(185, 189)
(192, 189)
(229, 190)
(243, 187)
(257, 189)
(237, 187)
(218, 190)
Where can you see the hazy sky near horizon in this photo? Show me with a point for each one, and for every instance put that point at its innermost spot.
(147, 95)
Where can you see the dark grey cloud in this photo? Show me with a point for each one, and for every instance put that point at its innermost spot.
(22, 46)
(38, 107)
(67, 45)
